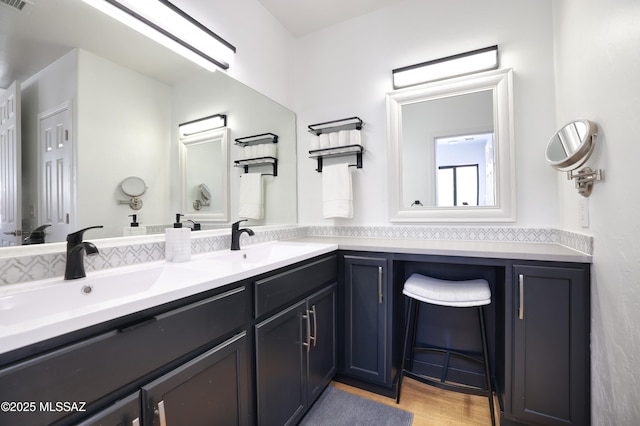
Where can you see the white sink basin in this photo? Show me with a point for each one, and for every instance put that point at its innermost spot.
(275, 254)
(39, 310)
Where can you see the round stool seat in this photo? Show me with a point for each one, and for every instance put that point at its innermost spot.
(448, 293)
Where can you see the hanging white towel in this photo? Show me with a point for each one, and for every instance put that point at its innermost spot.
(337, 196)
(250, 202)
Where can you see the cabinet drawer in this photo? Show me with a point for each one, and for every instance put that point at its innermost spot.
(93, 368)
(286, 287)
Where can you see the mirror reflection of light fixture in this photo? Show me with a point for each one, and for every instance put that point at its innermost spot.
(202, 125)
(168, 25)
(452, 66)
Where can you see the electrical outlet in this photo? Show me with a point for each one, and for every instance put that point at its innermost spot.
(584, 212)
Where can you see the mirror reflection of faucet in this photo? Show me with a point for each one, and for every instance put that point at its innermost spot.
(36, 236)
(74, 268)
(236, 232)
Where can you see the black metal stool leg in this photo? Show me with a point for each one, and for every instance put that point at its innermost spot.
(410, 312)
(487, 372)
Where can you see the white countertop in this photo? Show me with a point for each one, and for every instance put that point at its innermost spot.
(39, 310)
(483, 249)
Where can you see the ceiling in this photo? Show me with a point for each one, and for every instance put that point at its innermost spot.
(48, 29)
(301, 17)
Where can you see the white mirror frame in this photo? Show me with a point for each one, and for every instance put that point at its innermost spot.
(500, 81)
(218, 135)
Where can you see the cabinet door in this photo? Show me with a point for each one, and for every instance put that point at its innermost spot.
(280, 366)
(367, 346)
(321, 352)
(212, 389)
(125, 412)
(551, 345)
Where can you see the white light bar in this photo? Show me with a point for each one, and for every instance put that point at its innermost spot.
(202, 125)
(168, 25)
(451, 66)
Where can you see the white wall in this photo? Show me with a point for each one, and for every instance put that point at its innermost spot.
(345, 70)
(597, 69)
(123, 130)
(264, 55)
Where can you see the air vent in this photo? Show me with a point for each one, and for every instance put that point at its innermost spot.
(21, 5)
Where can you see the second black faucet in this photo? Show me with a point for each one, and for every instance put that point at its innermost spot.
(236, 232)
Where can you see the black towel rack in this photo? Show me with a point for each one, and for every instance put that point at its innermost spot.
(339, 151)
(336, 125)
(261, 161)
(257, 139)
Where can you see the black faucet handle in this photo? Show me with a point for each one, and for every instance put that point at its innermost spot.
(236, 225)
(76, 237)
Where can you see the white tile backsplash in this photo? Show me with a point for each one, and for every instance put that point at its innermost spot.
(20, 269)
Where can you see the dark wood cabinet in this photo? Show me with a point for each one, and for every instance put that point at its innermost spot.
(550, 381)
(125, 412)
(212, 389)
(367, 327)
(295, 357)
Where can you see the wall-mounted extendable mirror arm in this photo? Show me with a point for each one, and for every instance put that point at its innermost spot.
(570, 148)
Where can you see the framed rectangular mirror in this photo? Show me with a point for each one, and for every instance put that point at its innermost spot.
(204, 168)
(450, 150)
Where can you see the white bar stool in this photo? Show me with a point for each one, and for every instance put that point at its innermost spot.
(457, 294)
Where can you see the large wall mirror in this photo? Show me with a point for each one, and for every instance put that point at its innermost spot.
(450, 150)
(122, 97)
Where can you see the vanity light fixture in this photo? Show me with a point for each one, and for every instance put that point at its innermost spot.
(451, 66)
(168, 25)
(202, 125)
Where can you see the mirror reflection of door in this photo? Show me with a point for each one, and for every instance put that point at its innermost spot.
(55, 144)
(10, 167)
(465, 170)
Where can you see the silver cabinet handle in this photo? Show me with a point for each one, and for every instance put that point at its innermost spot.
(162, 414)
(380, 285)
(135, 422)
(308, 342)
(315, 326)
(521, 294)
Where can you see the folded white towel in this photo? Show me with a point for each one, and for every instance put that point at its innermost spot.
(337, 196)
(250, 198)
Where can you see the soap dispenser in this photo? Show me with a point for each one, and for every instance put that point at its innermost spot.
(134, 228)
(177, 242)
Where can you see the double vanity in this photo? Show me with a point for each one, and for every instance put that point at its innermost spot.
(253, 336)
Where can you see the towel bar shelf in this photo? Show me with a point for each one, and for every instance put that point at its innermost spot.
(338, 151)
(257, 139)
(336, 125)
(260, 161)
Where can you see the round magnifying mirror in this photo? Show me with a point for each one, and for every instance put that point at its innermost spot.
(205, 192)
(572, 145)
(133, 186)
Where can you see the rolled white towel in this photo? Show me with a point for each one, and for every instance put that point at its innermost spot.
(315, 142)
(333, 139)
(355, 138)
(324, 140)
(270, 150)
(343, 138)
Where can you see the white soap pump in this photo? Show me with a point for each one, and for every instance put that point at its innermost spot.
(177, 242)
(134, 228)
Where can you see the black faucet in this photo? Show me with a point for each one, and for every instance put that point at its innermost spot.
(75, 261)
(236, 232)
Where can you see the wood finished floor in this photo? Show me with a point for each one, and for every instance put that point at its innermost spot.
(432, 406)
